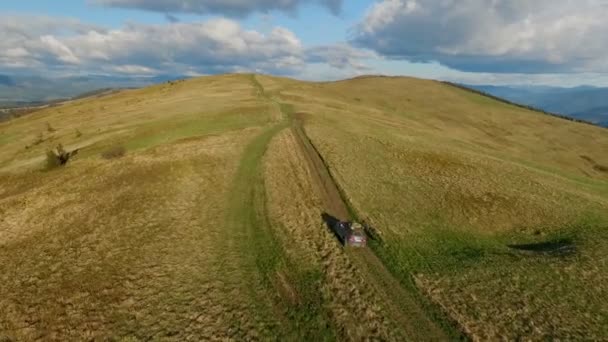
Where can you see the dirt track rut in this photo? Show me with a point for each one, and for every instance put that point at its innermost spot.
(399, 303)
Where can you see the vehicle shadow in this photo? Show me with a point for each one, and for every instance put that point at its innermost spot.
(332, 224)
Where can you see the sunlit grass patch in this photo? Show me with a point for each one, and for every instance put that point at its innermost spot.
(167, 131)
(111, 257)
(330, 291)
(452, 188)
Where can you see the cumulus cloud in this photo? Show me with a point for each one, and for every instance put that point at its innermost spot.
(61, 45)
(341, 56)
(31, 41)
(58, 49)
(226, 7)
(216, 45)
(133, 69)
(491, 36)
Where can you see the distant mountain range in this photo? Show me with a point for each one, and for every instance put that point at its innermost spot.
(583, 103)
(6, 81)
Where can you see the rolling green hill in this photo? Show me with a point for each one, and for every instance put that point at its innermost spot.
(488, 221)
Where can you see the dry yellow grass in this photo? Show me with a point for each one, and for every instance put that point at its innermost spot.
(159, 244)
(138, 119)
(536, 297)
(136, 248)
(172, 242)
(449, 179)
(295, 211)
(418, 111)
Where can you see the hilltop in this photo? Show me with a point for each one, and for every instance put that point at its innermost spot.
(487, 220)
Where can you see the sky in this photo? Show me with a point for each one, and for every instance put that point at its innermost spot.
(541, 42)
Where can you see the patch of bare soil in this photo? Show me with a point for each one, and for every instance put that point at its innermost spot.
(327, 189)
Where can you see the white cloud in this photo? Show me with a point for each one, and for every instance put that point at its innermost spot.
(224, 7)
(392, 67)
(30, 41)
(493, 36)
(16, 52)
(341, 56)
(216, 45)
(181, 48)
(133, 69)
(62, 52)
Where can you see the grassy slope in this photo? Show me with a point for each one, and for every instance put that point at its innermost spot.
(450, 178)
(137, 119)
(174, 240)
(145, 246)
(179, 239)
(131, 248)
(318, 273)
(93, 247)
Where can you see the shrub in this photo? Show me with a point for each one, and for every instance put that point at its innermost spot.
(52, 160)
(58, 157)
(114, 152)
(78, 133)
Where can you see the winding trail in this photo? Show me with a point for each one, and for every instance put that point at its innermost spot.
(399, 303)
(250, 231)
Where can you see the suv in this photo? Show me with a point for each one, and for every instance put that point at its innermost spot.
(350, 234)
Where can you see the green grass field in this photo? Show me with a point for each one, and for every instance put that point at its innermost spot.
(453, 184)
(210, 228)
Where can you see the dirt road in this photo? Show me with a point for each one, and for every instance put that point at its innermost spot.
(399, 303)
